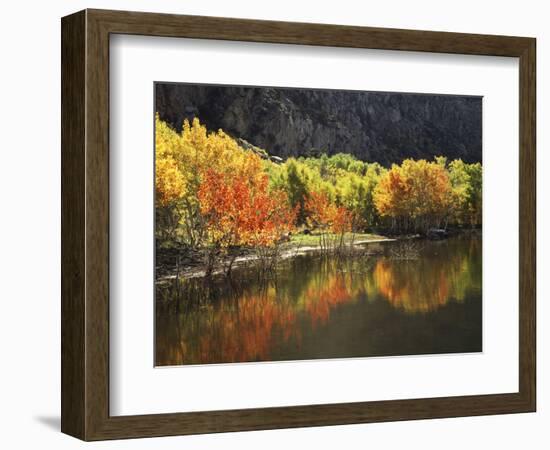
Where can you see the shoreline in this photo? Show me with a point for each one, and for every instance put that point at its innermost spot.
(195, 267)
(240, 261)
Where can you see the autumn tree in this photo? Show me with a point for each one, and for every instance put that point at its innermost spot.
(241, 212)
(182, 160)
(416, 195)
(170, 181)
(326, 217)
(355, 191)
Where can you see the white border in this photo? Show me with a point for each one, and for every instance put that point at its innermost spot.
(138, 388)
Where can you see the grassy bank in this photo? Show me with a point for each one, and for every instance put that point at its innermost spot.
(312, 240)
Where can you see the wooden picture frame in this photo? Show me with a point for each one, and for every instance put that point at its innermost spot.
(85, 224)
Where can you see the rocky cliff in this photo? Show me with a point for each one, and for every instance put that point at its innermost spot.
(373, 126)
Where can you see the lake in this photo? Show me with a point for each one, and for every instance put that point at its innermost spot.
(316, 307)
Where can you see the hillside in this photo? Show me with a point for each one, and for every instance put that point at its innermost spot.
(373, 126)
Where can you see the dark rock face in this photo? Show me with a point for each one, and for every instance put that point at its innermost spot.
(373, 126)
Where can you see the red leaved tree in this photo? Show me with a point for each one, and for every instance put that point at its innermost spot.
(327, 217)
(240, 211)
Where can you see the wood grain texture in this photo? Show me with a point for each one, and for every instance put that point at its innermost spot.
(85, 224)
(527, 224)
(151, 24)
(97, 225)
(73, 108)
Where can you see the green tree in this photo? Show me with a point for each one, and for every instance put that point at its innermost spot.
(296, 188)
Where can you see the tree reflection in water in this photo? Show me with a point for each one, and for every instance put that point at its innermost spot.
(203, 321)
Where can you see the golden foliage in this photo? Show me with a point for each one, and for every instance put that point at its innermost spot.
(417, 191)
(335, 194)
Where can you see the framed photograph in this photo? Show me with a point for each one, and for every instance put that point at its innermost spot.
(270, 224)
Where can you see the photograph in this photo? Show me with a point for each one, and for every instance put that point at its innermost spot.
(306, 224)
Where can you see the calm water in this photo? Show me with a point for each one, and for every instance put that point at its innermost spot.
(318, 308)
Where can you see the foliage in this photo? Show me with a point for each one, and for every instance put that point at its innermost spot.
(295, 184)
(417, 195)
(466, 180)
(324, 215)
(328, 217)
(345, 180)
(213, 192)
(182, 160)
(240, 210)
